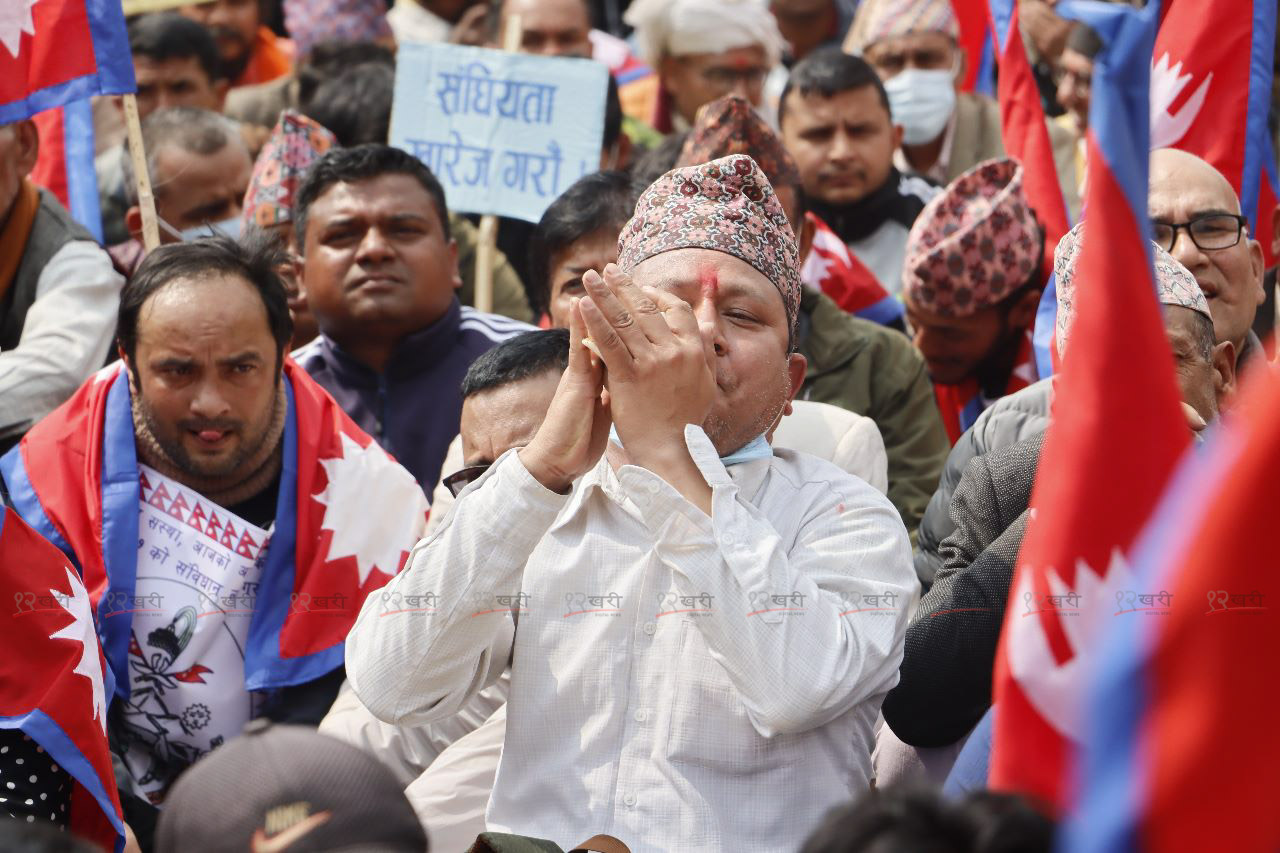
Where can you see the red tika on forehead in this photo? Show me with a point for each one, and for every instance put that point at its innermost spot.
(709, 281)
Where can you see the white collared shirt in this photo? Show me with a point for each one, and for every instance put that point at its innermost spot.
(680, 681)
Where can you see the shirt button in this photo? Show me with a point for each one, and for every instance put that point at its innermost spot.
(629, 800)
(652, 487)
(728, 540)
(650, 628)
(642, 501)
(641, 715)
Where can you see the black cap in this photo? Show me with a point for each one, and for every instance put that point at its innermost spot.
(288, 789)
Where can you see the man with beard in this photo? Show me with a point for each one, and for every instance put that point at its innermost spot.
(227, 518)
(971, 284)
(251, 52)
(714, 660)
(834, 118)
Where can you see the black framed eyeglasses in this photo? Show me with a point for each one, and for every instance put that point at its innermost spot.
(1209, 231)
(460, 479)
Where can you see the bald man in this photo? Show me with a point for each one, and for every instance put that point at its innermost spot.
(1196, 217)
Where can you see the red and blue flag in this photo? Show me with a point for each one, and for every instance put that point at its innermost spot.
(1114, 440)
(346, 516)
(54, 683)
(53, 52)
(1211, 77)
(1181, 725)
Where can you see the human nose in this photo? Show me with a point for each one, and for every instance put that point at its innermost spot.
(374, 247)
(709, 327)
(840, 148)
(209, 401)
(1184, 249)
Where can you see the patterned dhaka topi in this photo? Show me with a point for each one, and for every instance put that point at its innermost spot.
(727, 205)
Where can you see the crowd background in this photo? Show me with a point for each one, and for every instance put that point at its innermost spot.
(918, 185)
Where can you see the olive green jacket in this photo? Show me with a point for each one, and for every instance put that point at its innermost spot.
(509, 298)
(875, 371)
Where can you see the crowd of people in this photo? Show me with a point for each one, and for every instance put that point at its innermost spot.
(699, 538)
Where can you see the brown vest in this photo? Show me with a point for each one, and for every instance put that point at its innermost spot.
(53, 228)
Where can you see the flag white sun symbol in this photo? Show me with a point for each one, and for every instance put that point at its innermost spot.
(1167, 82)
(15, 19)
(1057, 690)
(81, 630)
(373, 507)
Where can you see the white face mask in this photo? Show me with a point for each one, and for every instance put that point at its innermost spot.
(226, 228)
(922, 102)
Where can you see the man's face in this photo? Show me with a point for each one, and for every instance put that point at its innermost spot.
(1075, 85)
(741, 313)
(956, 348)
(843, 145)
(805, 24)
(592, 252)
(205, 372)
(1202, 382)
(19, 145)
(552, 27)
(194, 189)
(1183, 187)
(496, 420)
(376, 262)
(922, 51)
(178, 82)
(234, 24)
(699, 78)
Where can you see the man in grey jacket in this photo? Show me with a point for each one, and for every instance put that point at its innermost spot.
(945, 685)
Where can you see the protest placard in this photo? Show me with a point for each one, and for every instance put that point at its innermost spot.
(505, 133)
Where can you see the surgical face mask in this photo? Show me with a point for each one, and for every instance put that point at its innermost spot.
(922, 102)
(226, 228)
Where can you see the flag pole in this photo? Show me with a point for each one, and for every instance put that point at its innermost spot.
(488, 237)
(146, 201)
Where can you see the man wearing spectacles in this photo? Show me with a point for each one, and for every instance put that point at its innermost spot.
(1195, 216)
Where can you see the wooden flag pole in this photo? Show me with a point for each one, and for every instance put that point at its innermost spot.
(146, 201)
(488, 237)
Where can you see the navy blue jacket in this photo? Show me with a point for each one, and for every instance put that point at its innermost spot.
(413, 407)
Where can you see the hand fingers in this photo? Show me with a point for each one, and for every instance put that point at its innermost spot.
(677, 313)
(646, 312)
(613, 350)
(614, 312)
(581, 359)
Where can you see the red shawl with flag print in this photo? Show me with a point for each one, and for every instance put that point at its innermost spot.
(53, 682)
(346, 516)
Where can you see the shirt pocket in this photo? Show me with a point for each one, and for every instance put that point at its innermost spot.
(708, 725)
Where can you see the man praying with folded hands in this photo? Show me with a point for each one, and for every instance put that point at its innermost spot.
(700, 628)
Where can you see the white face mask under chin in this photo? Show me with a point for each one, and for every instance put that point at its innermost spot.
(922, 102)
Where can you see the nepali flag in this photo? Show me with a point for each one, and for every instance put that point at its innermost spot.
(1111, 445)
(1181, 711)
(346, 516)
(53, 681)
(53, 52)
(832, 269)
(1211, 76)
